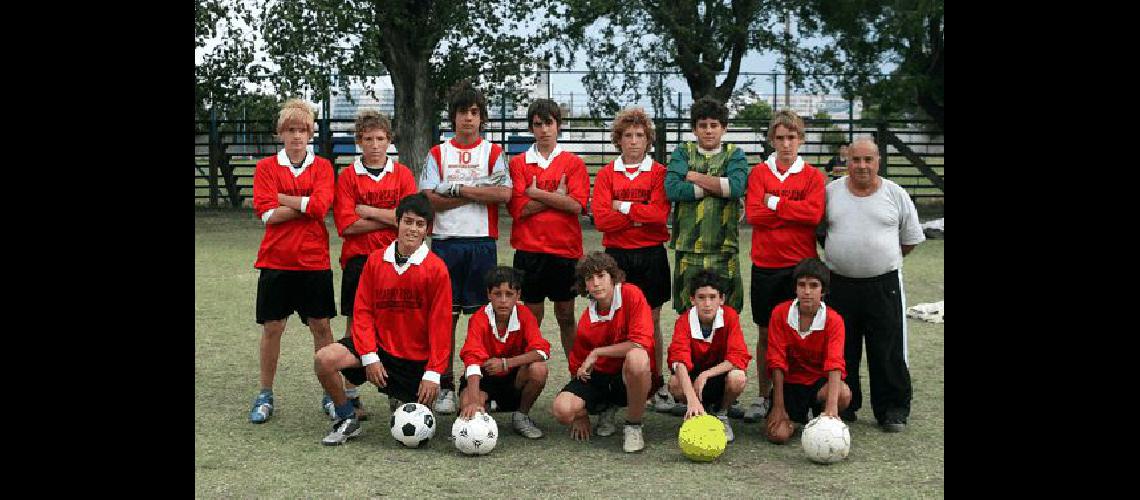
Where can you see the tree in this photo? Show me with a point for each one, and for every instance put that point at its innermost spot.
(424, 45)
(907, 33)
(700, 38)
(831, 137)
(758, 113)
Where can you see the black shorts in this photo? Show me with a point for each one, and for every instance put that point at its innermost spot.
(601, 392)
(280, 292)
(545, 275)
(467, 260)
(348, 281)
(501, 390)
(770, 287)
(713, 393)
(404, 375)
(798, 398)
(648, 268)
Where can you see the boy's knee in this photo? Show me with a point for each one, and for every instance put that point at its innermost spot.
(636, 362)
(780, 434)
(537, 370)
(564, 409)
(736, 380)
(273, 328)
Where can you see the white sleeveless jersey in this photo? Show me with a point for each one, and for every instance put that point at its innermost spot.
(464, 166)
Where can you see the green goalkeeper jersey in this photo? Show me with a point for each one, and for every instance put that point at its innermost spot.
(707, 224)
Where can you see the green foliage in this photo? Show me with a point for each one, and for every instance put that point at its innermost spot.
(699, 38)
(906, 33)
(759, 114)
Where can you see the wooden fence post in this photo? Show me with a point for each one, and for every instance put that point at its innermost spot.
(881, 141)
(659, 141)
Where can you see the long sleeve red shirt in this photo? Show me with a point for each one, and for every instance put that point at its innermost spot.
(644, 225)
(301, 244)
(785, 236)
(805, 359)
(699, 354)
(485, 342)
(632, 320)
(550, 231)
(355, 187)
(408, 312)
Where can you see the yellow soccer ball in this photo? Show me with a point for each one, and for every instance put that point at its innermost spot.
(702, 438)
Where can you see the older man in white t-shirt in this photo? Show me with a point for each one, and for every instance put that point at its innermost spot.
(871, 225)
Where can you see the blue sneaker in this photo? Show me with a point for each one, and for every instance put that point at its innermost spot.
(262, 408)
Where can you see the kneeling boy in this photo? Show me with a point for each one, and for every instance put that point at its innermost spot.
(505, 355)
(805, 355)
(612, 355)
(401, 330)
(708, 354)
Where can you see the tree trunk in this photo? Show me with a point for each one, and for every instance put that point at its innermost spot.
(415, 112)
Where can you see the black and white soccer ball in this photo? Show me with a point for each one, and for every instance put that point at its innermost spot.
(477, 436)
(413, 424)
(826, 440)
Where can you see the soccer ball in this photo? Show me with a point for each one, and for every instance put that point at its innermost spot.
(702, 438)
(413, 425)
(826, 440)
(477, 436)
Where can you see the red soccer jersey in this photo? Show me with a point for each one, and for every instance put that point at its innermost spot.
(301, 244)
(355, 186)
(805, 359)
(466, 151)
(550, 231)
(698, 353)
(785, 236)
(485, 342)
(644, 226)
(405, 310)
(632, 319)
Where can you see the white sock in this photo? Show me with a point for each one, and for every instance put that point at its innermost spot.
(350, 393)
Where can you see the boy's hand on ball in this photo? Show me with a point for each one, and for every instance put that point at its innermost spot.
(695, 408)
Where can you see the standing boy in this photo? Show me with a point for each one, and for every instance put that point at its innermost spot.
(551, 187)
(292, 192)
(465, 179)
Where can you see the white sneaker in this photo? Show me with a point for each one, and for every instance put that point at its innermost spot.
(633, 440)
(757, 410)
(663, 401)
(723, 417)
(445, 403)
(606, 425)
(525, 426)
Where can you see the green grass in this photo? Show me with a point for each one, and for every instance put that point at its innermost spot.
(234, 458)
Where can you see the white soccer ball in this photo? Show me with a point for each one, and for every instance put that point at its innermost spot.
(413, 425)
(477, 436)
(826, 440)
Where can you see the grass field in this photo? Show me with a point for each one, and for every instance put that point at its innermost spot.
(283, 458)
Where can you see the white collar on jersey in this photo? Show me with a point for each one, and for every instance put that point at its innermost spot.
(513, 324)
(695, 324)
(710, 152)
(283, 160)
(417, 257)
(797, 166)
(614, 306)
(533, 156)
(358, 167)
(817, 323)
(645, 165)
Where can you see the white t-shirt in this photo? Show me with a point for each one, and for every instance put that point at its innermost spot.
(864, 233)
(461, 166)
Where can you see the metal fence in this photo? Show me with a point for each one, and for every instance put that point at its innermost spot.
(225, 151)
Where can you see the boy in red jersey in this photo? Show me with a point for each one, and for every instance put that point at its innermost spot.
(630, 209)
(364, 211)
(805, 355)
(401, 318)
(784, 204)
(551, 187)
(465, 179)
(708, 355)
(292, 192)
(612, 356)
(505, 355)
